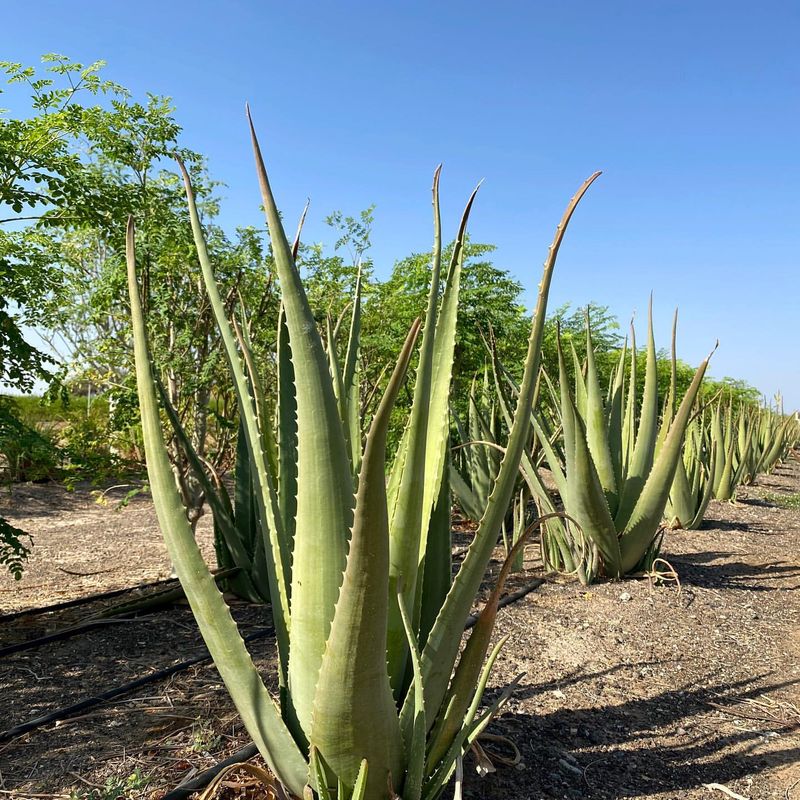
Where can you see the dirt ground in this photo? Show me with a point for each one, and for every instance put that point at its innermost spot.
(631, 690)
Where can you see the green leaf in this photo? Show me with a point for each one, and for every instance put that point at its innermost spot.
(324, 479)
(259, 713)
(354, 715)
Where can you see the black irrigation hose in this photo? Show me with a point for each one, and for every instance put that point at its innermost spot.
(202, 780)
(149, 603)
(69, 711)
(206, 776)
(79, 601)
(509, 599)
(65, 633)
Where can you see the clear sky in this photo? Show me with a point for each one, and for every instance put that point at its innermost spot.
(690, 108)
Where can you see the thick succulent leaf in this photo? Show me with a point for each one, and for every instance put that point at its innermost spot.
(468, 672)
(286, 419)
(437, 572)
(629, 418)
(615, 412)
(274, 541)
(354, 714)
(468, 734)
(586, 502)
(596, 430)
(644, 521)
(318, 774)
(217, 499)
(406, 482)
(580, 381)
(681, 505)
(259, 713)
(440, 650)
(360, 789)
(646, 433)
(417, 734)
(705, 497)
(429, 426)
(351, 384)
(324, 479)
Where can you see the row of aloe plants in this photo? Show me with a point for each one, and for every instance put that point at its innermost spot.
(375, 696)
(618, 473)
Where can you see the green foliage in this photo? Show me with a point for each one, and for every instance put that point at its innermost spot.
(116, 788)
(27, 453)
(791, 501)
(14, 548)
(67, 440)
(43, 179)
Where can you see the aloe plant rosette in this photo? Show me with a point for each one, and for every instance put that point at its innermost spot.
(618, 470)
(374, 701)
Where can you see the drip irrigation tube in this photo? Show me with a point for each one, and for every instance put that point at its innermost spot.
(184, 790)
(66, 633)
(202, 780)
(79, 601)
(71, 710)
(509, 599)
(149, 603)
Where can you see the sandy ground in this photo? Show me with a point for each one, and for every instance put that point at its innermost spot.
(630, 691)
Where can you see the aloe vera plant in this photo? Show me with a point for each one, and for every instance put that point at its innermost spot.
(476, 458)
(692, 486)
(619, 468)
(368, 620)
(751, 442)
(733, 453)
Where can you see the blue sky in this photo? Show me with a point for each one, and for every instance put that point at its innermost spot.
(689, 108)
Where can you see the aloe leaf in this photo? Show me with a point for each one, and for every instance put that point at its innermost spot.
(644, 520)
(220, 509)
(350, 381)
(268, 444)
(437, 573)
(428, 433)
(586, 501)
(318, 774)
(336, 373)
(406, 482)
(274, 545)
(324, 479)
(415, 743)
(629, 418)
(286, 442)
(580, 381)
(705, 497)
(257, 709)
(360, 789)
(354, 714)
(615, 412)
(441, 648)
(467, 734)
(645, 444)
(468, 672)
(596, 430)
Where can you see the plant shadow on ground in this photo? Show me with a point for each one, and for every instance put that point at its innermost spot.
(729, 525)
(614, 751)
(709, 570)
